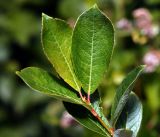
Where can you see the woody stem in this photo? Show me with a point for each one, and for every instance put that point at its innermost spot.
(88, 105)
(92, 110)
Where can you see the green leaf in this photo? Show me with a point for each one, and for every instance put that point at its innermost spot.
(122, 93)
(56, 41)
(95, 102)
(131, 115)
(44, 82)
(92, 47)
(85, 118)
(123, 133)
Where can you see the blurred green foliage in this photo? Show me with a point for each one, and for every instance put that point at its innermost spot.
(24, 113)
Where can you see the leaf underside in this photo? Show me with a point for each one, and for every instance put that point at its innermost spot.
(123, 133)
(131, 115)
(92, 47)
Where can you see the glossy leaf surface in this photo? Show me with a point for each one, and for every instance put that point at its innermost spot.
(131, 115)
(92, 47)
(43, 82)
(123, 133)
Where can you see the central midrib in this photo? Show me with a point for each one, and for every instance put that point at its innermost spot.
(91, 62)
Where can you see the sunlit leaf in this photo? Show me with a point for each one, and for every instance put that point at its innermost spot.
(92, 47)
(56, 40)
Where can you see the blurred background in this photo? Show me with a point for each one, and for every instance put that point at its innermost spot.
(24, 113)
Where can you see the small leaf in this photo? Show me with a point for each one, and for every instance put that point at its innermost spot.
(131, 115)
(122, 93)
(95, 102)
(43, 82)
(92, 47)
(123, 133)
(56, 41)
(85, 118)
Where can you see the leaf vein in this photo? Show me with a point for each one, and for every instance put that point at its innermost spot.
(91, 62)
(67, 64)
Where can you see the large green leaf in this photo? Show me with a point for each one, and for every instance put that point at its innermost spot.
(44, 82)
(92, 47)
(131, 115)
(85, 118)
(56, 41)
(123, 133)
(122, 93)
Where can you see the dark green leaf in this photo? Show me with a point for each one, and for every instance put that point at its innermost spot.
(122, 93)
(85, 118)
(56, 40)
(123, 133)
(43, 82)
(92, 47)
(131, 115)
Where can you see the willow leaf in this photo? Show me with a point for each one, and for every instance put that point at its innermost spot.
(56, 41)
(92, 47)
(131, 115)
(123, 92)
(43, 82)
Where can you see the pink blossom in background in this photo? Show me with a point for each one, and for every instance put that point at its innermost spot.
(67, 120)
(124, 24)
(143, 21)
(142, 13)
(142, 18)
(151, 60)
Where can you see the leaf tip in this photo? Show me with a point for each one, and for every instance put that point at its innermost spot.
(143, 66)
(17, 72)
(45, 16)
(95, 6)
